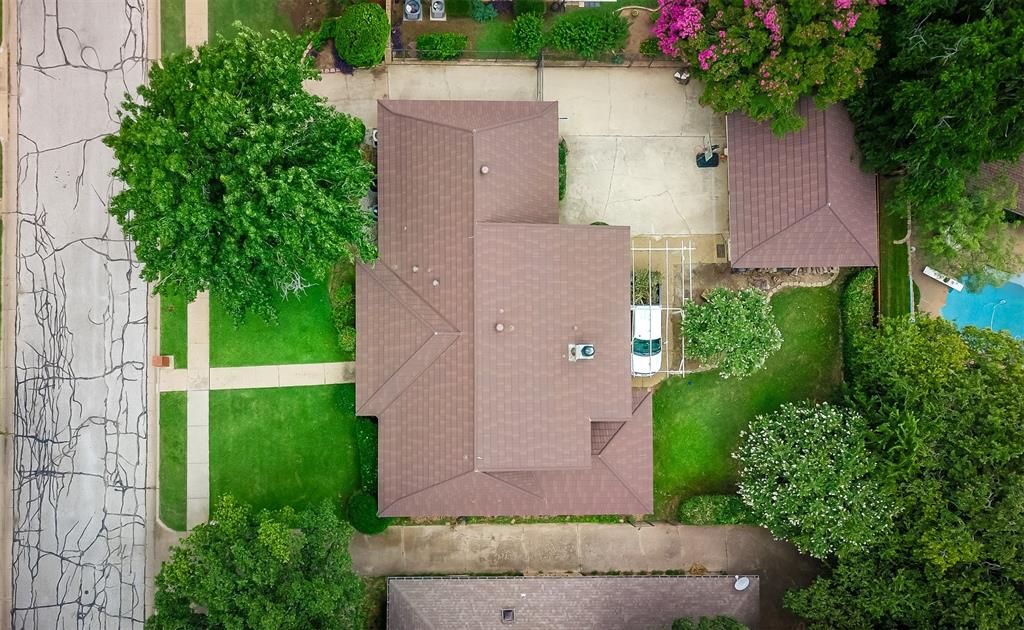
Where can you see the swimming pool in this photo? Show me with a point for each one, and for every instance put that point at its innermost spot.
(999, 308)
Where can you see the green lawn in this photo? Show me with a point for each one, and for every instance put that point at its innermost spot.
(495, 36)
(174, 329)
(172, 26)
(304, 333)
(259, 15)
(698, 418)
(172, 459)
(286, 446)
(893, 268)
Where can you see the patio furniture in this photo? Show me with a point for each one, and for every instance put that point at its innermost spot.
(952, 283)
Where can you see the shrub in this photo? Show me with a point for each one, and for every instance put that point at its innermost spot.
(441, 46)
(343, 313)
(589, 32)
(530, 7)
(650, 48)
(715, 509)
(456, 8)
(858, 311)
(644, 283)
(362, 513)
(481, 12)
(366, 450)
(563, 154)
(361, 34)
(720, 622)
(528, 36)
(734, 330)
(808, 476)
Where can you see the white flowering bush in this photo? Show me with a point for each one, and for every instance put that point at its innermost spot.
(733, 330)
(807, 475)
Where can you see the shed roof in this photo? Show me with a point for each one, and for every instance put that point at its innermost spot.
(800, 200)
(474, 421)
(567, 603)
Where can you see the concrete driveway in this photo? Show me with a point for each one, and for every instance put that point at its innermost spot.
(633, 135)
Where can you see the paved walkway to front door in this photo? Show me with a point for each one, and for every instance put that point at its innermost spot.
(590, 548)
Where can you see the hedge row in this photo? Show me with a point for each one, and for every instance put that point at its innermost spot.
(858, 312)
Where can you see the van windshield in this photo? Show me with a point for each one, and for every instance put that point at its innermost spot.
(646, 347)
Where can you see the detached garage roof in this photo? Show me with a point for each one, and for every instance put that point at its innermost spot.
(567, 603)
(464, 323)
(800, 200)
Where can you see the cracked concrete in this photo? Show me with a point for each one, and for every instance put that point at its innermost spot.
(80, 424)
(588, 548)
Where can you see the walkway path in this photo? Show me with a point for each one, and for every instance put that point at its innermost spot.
(585, 548)
(77, 342)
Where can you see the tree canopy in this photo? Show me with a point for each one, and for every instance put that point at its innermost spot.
(761, 56)
(272, 570)
(946, 412)
(733, 330)
(238, 180)
(807, 474)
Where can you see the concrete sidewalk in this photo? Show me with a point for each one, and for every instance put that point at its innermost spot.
(586, 548)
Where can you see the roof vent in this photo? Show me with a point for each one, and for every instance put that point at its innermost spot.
(581, 352)
(485, 169)
(742, 582)
(508, 615)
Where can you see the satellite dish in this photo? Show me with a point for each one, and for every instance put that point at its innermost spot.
(742, 582)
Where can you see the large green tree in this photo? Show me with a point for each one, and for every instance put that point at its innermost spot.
(947, 414)
(238, 180)
(272, 570)
(808, 476)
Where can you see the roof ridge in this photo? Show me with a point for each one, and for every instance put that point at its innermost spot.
(366, 407)
(615, 473)
(409, 606)
(425, 488)
(513, 121)
(406, 305)
(492, 475)
(780, 233)
(516, 121)
(850, 232)
(384, 103)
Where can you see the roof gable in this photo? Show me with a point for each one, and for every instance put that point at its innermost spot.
(800, 200)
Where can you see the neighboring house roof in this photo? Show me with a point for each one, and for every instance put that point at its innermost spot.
(800, 200)
(473, 420)
(567, 603)
(1014, 171)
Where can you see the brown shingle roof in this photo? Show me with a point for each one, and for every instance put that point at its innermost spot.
(800, 200)
(473, 421)
(567, 603)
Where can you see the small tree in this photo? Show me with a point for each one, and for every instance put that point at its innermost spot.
(734, 330)
(238, 180)
(528, 34)
(265, 570)
(761, 56)
(806, 472)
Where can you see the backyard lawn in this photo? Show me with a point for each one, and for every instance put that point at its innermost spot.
(893, 268)
(259, 15)
(304, 333)
(698, 418)
(285, 446)
(172, 26)
(174, 329)
(172, 459)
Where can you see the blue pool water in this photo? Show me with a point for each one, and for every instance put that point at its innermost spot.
(1000, 308)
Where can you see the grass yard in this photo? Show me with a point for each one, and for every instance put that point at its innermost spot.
(172, 26)
(285, 446)
(698, 418)
(173, 427)
(259, 15)
(304, 333)
(893, 269)
(174, 329)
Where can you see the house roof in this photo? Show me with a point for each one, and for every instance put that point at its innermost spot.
(567, 603)
(473, 420)
(800, 200)
(1014, 171)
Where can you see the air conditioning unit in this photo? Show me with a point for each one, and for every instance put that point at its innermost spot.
(581, 352)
